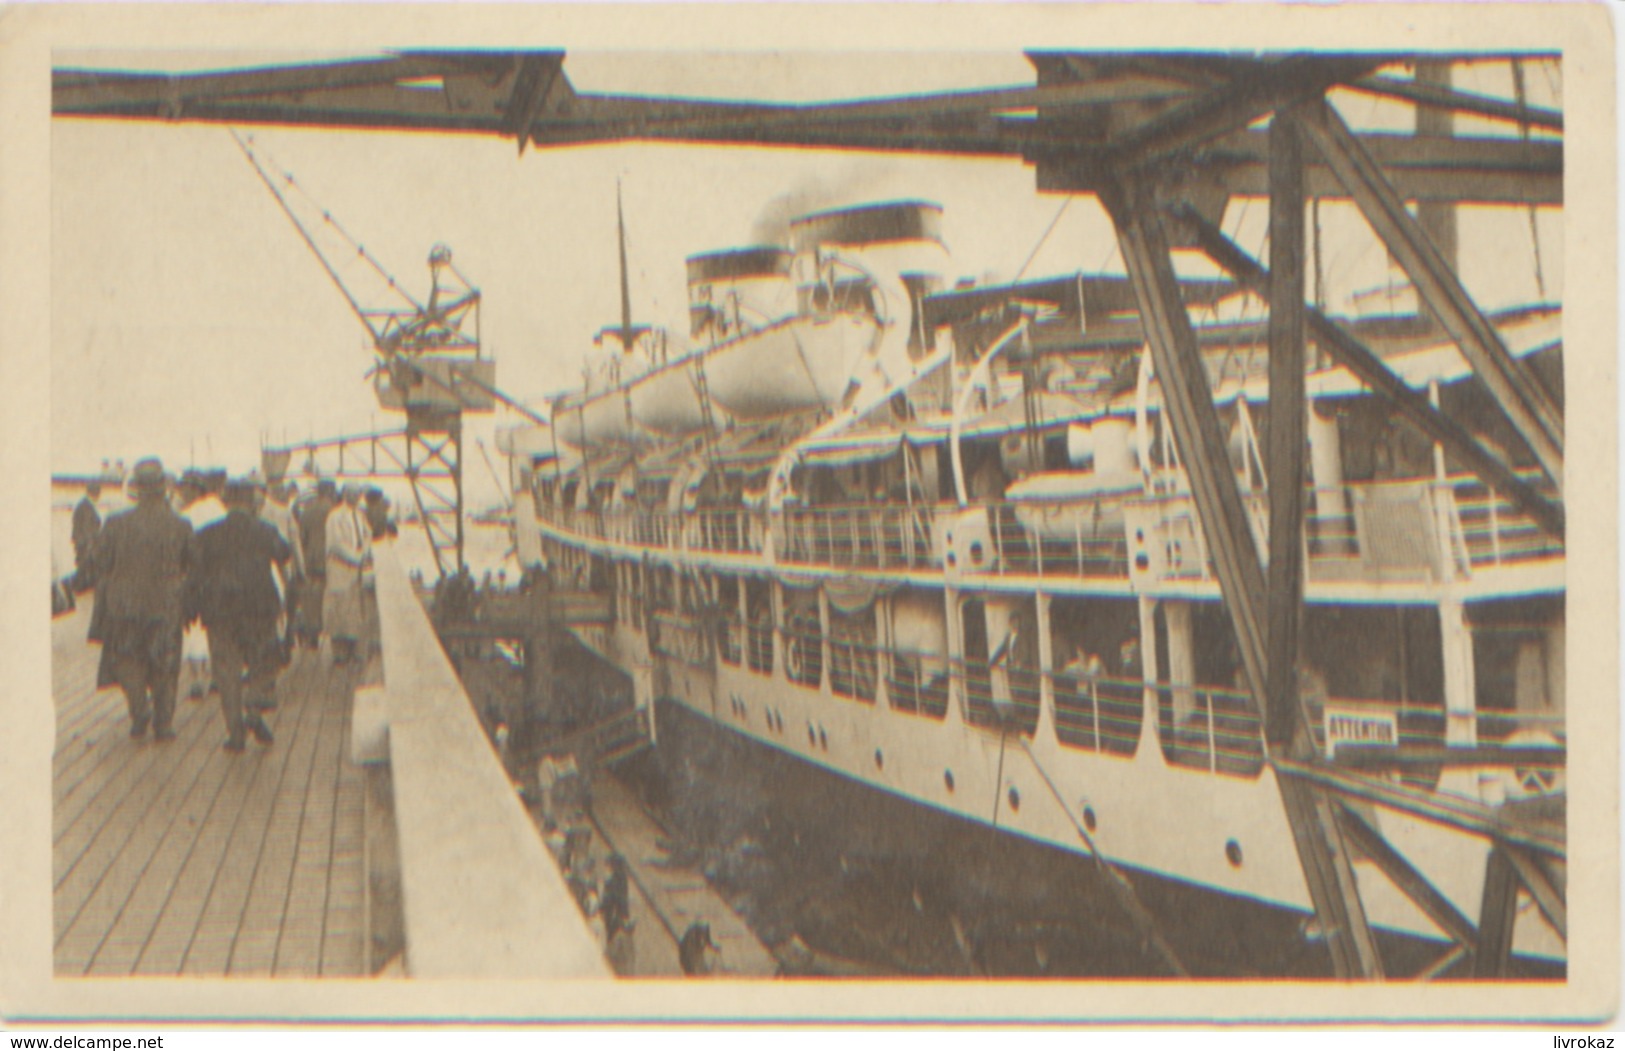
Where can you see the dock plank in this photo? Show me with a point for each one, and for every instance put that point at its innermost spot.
(181, 858)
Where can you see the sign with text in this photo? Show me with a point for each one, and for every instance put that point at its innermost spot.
(1359, 727)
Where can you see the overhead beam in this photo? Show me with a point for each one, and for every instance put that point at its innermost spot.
(1262, 88)
(1412, 405)
(1520, 396)
(1457, 101)
(1476, 170)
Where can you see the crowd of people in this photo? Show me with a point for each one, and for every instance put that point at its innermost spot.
(222, 578)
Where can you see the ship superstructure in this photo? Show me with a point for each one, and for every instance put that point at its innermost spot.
(978, 577)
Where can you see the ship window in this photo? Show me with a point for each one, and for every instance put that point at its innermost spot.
(917, 651)
(803, 637)
(1206, 716)
(759, 626)
(1002, 673)
(852, 654)
(1097, 680)
(730, 642)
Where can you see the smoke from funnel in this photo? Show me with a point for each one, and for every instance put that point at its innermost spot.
(772, 225)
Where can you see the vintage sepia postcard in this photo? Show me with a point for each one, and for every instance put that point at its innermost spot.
(789, 513)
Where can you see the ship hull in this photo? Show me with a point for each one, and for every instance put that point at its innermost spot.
(1230, 836)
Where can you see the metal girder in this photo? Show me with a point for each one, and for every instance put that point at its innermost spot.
(1190, 103)
(1497, 917)
(1412, 404)
(1458, 101)
(1466, 815)
(422, 456)
(1403, 875)
(1288, 430)
(1480, 170)
(1528, 408)
(1548, 897)
(1333, 888)
(1188, 399)
(1188, 404)
(1262, 88)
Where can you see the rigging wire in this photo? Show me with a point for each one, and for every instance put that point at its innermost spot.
(255, 156)
(1042, 238)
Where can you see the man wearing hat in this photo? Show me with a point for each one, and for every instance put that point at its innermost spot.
(234, 592)
(142, 559)
(349, 544)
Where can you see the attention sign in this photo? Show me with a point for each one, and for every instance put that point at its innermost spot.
(1359, 727)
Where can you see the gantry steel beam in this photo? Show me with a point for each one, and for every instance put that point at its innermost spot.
(1099, 112)
(1288, 430)
(1520, 396)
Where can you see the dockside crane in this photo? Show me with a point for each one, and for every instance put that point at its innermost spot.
(430, 366)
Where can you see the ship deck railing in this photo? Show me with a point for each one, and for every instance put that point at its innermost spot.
(1414, 530)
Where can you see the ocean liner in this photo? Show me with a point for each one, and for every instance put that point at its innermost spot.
(941, 542)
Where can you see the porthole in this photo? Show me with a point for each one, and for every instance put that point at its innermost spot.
(948, 780)
(975, 552)
(880, 760)
(812, 737)
(1015, 798)
(1089, 818)
(1232, 853)
(823, 741)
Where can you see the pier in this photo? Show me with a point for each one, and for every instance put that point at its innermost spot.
(181, 859)
(379, 834)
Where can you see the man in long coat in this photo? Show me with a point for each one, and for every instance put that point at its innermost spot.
(349, 543)
(232, 589)
(142, 559)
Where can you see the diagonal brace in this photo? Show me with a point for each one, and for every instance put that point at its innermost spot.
(1371, 370)
(1520, 396)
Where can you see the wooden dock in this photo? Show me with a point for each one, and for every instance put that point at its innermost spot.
(182, 859)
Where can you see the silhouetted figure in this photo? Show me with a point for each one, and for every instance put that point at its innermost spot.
(142, 560)
(87, 526)
(234, 592)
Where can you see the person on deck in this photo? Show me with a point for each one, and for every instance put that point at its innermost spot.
(201, 507)
(278, 511)
(378, 516)
(142, 561)
(349, 545)
(313, 542)
(87, 525)
(233, 590)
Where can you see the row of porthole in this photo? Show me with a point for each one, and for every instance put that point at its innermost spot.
(816, 738)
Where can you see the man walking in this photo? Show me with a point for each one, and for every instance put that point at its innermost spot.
(141, 560)
(232, 589)
(87, 526)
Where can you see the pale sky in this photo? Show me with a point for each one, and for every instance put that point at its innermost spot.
(188, 318)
